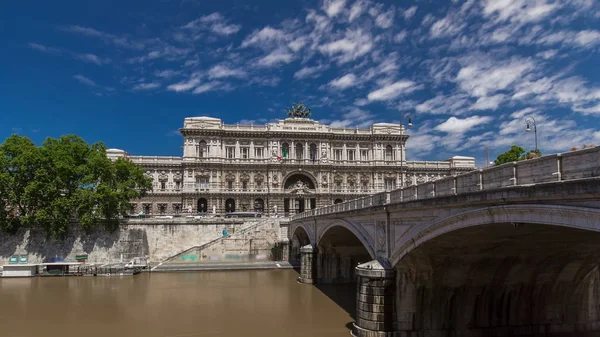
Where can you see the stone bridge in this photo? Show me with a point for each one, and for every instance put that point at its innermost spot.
(511, 250)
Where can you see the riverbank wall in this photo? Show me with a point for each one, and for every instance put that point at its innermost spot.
(153, 240)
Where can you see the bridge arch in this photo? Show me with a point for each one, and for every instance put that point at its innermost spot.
(341, 246)
(497, 270)
(553, 215)
(356, 229)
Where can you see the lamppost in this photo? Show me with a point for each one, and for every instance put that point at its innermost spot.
(530, 120)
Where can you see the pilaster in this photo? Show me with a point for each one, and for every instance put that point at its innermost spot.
(308, 259)
(375, 301)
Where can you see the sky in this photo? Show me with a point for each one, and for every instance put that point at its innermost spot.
(467, 73)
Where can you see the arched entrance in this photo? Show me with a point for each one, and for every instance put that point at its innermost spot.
(338, 201)
(259, 205)
(301, 188)
(202, 205)
(229, 205)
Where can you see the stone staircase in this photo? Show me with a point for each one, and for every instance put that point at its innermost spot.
(194, 255)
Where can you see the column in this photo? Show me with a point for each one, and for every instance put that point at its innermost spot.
(308, 258)
(375, 307)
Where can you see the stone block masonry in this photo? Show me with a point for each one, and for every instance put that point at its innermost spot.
(154, 238)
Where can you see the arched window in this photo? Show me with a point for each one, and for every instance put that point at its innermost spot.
(389, 153)
(259, 205)
(299, 151)
(285, 150)
(202, 149)
(313, 152)
(229, 205)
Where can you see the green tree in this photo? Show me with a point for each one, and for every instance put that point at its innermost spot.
(516, 153)
(64, 180)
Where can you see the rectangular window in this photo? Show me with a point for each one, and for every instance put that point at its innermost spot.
(364, 155)
(338, 187)
(258, 152)
(177, 185)
(163, 185)
(244, 185)
(259, 186)
(365, 186)
(177, 209)
(245, 151)
(202, 183)
(230, 152)
(337, 154)
(352, 186)
(390, 184)
(351, 154)
(230, 185)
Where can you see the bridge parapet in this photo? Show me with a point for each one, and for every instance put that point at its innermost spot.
(552, 168)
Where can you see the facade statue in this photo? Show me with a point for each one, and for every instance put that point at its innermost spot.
(299, 111)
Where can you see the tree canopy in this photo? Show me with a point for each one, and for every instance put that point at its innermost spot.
(64, 180)
(516, 153)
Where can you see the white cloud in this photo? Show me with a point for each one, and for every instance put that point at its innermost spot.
(91, 58)
(43, 48)
(333, 7)
(392, 91)
(205, 87)
(266, 36)
(354, 118)
(488, 102)
(400, 36)
(386, 19)
(588, 37)
(410, 12)
(276, 57)
(445, 27)
(357, 9)
(441, 104)
(518, 10)
(344, 82)
(85, 80)
(214, 22)
(146, 86)
(481, 79)
(309, 72)
(185, 85)
(355, 44)
(120, 41)
(222, 71)
(547, 54)
(167, 73)
(457, 125)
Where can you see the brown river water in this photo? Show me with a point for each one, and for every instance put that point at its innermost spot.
(220, 303)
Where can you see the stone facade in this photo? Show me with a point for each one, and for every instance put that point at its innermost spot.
(281, 168)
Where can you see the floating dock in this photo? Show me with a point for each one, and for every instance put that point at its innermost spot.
(67, 269)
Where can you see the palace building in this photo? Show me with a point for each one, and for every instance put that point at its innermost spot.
(280, 168)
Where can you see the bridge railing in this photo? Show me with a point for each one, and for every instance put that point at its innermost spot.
(552, 168)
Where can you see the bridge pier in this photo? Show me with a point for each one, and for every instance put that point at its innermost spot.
(375, 301)
(308, 258)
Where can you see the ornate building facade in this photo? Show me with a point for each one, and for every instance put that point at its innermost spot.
(280, 168)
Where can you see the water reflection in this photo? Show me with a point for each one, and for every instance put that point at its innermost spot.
(237, 303)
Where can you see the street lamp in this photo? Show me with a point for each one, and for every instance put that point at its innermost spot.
(530, 120)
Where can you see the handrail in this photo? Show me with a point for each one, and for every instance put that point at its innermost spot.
(551, 168)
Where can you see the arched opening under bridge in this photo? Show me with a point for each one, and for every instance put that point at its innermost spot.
(502, 279)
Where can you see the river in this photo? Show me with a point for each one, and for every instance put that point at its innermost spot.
(219, 303)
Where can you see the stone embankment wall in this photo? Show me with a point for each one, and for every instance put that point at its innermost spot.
(154, 238)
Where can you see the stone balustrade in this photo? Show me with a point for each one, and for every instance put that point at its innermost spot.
(552, 168)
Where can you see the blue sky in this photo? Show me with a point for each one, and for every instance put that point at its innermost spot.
(466, 72)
